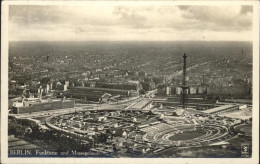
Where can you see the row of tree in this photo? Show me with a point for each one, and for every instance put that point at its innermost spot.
(30, 132)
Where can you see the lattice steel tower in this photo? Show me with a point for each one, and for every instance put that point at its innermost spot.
(184, 86)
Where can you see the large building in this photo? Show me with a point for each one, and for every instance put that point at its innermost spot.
(223, 108)
(191, 102)
(42, 105)
(122, 86)
(94, 94)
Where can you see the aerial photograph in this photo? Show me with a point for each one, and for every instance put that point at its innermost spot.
(133, 81)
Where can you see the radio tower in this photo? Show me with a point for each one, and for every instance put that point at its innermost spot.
(184, 86)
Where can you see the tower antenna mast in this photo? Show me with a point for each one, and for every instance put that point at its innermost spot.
(184, 85)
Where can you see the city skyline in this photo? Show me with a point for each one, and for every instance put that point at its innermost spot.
(138, 22)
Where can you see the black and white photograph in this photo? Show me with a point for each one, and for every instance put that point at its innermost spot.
(137, 80)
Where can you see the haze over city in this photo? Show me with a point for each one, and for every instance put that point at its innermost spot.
(142, 22)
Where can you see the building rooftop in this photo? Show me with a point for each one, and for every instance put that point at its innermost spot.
(220, 108)
(141, 104)
(45, 101)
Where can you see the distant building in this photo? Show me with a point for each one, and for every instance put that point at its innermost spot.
(62, 87)
(133, 93)
(168, 90)
(202, 90)
(223, 108)
(105, 97)
(142, 74)
(198, 103)
(42, 105)
(178, 90)
(148, 86)
(123, 86)
(67, 83)
(94, 94)
(193, 90)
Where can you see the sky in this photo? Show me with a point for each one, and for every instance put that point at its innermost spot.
(139, 22)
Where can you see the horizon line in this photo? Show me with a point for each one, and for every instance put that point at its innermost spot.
(130, 41)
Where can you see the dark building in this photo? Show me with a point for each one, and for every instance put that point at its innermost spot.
(123, 86)
(94, 94)
(142, 74)
(148, 86)
(197, 103)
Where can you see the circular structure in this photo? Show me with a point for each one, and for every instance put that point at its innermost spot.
(188, 135)
(140, 127)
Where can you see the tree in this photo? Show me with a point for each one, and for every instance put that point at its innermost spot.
(141, 92)
(103, 138)
(45, 80)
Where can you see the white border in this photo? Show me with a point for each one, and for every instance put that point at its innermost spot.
(4, 86)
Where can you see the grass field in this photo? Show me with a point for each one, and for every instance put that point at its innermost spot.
(186, 135)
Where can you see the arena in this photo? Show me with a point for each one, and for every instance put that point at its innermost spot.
(144, 131)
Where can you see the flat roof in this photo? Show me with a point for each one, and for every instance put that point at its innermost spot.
(141, 104)
(45, 101)
(96, 88)
(220, 108)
